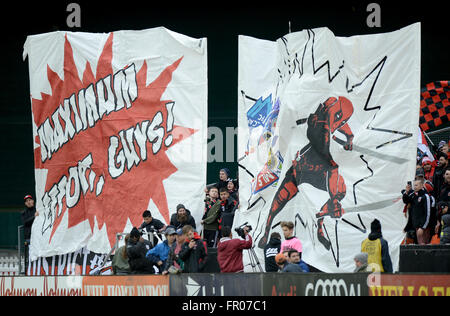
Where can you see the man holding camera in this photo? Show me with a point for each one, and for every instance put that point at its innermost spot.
(137, 248)
(229, 250)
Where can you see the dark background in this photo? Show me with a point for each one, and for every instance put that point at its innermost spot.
(221, 22)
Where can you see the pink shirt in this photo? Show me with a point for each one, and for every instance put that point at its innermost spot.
(291, 243)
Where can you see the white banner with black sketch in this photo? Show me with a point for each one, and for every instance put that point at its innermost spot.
(328, 138)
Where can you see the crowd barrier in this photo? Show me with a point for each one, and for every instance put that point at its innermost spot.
(241, 284)
(424, 258)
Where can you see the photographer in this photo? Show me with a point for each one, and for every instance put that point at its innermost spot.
(229, 250)
(137, 248)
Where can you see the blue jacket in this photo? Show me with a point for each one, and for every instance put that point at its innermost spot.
(304, 266)
(159, 252)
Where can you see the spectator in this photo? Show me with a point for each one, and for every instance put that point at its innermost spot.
(160, 252)
(290, 241)
(361, 262)
(442, 209)
(182, 217)
(438, 177)
(229, 250)
(151, 225)
(422, 205)
(137, 248)
(173, 263)
(210, 220)
(295, 257)
(285, 266)
(224, 177)
(193, 252)
(411, 237)
(233, 189)
(445, 232)
(228, 208)
(272, 248)
(428, 168)
(120, 265)
(444, 195)
(28, 215)
(443, 147)
(377, 249)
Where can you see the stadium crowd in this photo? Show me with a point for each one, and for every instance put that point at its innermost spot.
(178, 247)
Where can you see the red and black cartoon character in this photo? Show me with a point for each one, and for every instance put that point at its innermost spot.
(315, 165)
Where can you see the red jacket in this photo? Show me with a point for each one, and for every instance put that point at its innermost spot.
(229, 253)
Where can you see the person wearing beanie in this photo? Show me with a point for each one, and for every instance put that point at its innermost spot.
(377, 249)
(224, 178)
(182, 217)
(361, 264)
(428, 168)
(136, 249)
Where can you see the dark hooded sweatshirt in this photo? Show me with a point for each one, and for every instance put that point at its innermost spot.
(270, 251)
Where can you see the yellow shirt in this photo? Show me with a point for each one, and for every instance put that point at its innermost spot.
(373, 248)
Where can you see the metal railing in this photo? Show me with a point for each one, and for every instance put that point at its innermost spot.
(21, 251)
(9, 266)
(149, 236)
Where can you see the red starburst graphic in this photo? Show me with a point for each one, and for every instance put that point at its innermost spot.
(111, 200)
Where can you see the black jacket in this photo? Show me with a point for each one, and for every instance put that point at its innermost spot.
(228, 208)
(136, 252)
(177, 224)
(270, 251)
(422, 208)
(155, 224)
(194, 259)
(27, 220)
(444, 195)
(438, 181)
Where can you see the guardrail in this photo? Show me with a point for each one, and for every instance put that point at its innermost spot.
(9, 266)
(231, 285)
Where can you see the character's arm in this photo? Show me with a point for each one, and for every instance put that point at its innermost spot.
(349, 134)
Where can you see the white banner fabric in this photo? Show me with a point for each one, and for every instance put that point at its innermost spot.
(327, 139)
(119, 127)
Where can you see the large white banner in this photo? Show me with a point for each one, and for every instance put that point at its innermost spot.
(327, 138)
(119, 127)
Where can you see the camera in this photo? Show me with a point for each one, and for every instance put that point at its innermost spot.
(240, 229)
